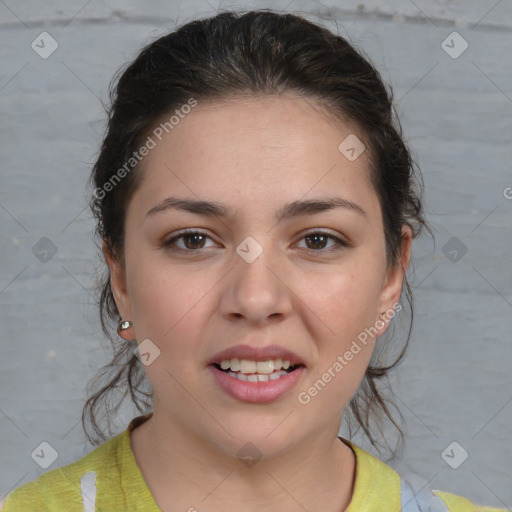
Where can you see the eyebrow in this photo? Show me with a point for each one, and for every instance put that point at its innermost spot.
(290, 210)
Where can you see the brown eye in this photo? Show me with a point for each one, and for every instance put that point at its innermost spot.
(192, 240)
(317, 241)
(196, 241)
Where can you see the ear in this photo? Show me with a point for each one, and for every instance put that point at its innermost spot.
(392, 286)
(118, 283)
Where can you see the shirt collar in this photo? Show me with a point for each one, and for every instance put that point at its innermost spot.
(375, 485)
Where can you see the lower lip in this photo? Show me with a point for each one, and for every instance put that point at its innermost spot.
(256, 392)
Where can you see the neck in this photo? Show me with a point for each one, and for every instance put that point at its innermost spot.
(185, 472)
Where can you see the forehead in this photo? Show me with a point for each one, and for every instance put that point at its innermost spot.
(263, 148)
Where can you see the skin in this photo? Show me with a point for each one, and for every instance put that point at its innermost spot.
(254, 155)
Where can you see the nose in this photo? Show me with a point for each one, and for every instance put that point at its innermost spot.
(256, 292)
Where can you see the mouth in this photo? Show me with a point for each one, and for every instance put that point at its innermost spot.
(257, 376)
(247, 370)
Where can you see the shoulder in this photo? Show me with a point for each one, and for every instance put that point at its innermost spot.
(377, 483)
(68, 487)
(421, 499)
(456, 503)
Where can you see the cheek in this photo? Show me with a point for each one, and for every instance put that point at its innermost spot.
(344, 301)
(166, 302)
(343, 349)
(330, 391)
(168, 310)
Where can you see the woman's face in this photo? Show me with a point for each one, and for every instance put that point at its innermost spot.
(261, 283)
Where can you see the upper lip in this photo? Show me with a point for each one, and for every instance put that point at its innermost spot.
(256, 354)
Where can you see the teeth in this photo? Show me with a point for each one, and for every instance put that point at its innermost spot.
(247, 366)
(260, 367)
(265, 367)
(256, 377)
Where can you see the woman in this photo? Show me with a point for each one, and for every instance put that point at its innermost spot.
(256, 205)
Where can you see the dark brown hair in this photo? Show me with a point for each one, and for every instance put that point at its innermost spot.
(218, 58)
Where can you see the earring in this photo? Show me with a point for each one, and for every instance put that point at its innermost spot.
(122, 326)
(382, 317)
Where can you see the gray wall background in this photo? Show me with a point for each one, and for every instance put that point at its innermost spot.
(455, 384)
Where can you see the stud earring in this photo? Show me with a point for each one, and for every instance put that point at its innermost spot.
(122, 326)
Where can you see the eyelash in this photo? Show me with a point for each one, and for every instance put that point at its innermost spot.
(170, 244)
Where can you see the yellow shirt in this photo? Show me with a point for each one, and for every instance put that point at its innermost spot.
(109, 480)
